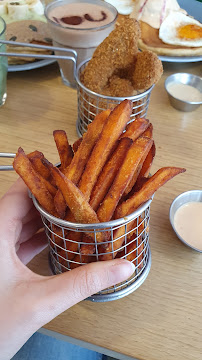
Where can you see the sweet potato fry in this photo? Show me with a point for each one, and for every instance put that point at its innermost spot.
(87, 247)
(113, 128)
(76, 201)
(130, 165)
(137, 172)
(76, 144)
(60, 204)
(136, 128)
(36, 161)
(81, 157)
(64, 149)
(149, 131)
(72, 237)
(71, 244)
(144, 172)
(75, 170)
(34, 181)
(118, 239)
(147, 190)
(109, 172)
(36, 158)
(128, 206)
(133, 250)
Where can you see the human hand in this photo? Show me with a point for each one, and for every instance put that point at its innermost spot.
(28, 300)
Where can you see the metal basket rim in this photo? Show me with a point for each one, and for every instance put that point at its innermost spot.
(101, 225)
(134, 97)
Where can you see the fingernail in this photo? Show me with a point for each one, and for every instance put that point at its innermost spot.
(121, 270)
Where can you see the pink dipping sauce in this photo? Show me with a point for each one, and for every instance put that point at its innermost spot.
(188, 223)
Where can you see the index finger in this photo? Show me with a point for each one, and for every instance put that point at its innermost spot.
(14, 206)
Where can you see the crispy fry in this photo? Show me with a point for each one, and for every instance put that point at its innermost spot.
(149, 131)
(127, 207)
(36, 158)
(39, 167)
(34, 181)
(76, 144)
(64, 149)
(118, 239)
(147, 190)
(137, 173)
(76, 202)
(144, 172)
(130, 165)
(81, 157)
(136, 128)
(87, 247)
(109, 172)
(133, 251)
(71, 244)
(60, 204)
(115, 125)
(75, 170)
(107, 165)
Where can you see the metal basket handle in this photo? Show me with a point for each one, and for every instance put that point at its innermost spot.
(6, 155)
(73, 57)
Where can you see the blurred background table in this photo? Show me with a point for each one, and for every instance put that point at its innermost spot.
(162, 320)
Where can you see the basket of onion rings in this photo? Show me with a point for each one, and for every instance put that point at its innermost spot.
(117, 71)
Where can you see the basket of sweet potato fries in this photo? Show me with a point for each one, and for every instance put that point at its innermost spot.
(95, 205)
(116, 71)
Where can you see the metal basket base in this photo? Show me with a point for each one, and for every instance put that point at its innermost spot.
(122, 292)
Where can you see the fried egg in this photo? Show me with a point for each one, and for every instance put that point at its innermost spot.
(180, 29)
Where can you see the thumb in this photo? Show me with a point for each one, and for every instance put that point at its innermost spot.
(62, 291)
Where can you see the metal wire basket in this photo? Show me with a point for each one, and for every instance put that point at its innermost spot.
(127, 238)
(91, 103)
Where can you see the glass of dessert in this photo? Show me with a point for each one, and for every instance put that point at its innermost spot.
(3, 64)
(79, 26)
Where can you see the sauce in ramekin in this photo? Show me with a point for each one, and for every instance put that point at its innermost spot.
(184, 92)
(188, 223)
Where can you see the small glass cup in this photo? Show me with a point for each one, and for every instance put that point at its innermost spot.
(3, 64)
(83, 40)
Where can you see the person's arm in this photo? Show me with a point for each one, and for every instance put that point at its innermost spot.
(28, 300)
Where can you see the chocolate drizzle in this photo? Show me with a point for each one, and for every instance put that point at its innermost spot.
(77, 20)
(89, 17)
(72, 20)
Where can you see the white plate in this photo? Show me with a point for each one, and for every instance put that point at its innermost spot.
(193, 8)
(30, 66)
(181, 59)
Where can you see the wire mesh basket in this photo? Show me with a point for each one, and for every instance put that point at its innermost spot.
(72, 245)
(91, 103)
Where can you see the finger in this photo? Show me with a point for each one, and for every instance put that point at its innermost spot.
(28, 250)
(30, 229)
(14, 206)
(60, 292)
(31, 215)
